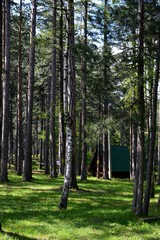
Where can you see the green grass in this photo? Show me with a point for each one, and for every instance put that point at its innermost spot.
(98, 210)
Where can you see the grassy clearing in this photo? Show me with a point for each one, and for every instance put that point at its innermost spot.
(98, 210)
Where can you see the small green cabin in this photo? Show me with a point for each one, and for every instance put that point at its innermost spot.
(120, 162)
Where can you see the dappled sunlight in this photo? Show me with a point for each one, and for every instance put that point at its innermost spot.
(100, 209)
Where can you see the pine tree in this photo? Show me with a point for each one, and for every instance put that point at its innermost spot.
(5, 114)
(20, 154)
(84, 113)
(69, 105)
(53, 97)
(27, 171)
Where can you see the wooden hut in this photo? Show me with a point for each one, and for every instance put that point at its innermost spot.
(120, 162)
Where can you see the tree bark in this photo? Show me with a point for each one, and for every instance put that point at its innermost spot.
(42, 150)
(84, 112)
(20, 154)
(46, 150)
(138, 184)
(6, 81)
(158, 142)
(10, 142)
(1, 54)
(53, 97)
(105, 101)
(105, 156)
(79, 157)
(98, 160)
(152, 138)
(72, 87)
(61, 115)
(69, 104)
(133, 150)
(68, 171)
(27, 171)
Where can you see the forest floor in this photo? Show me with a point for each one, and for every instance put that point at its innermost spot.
(100, 209)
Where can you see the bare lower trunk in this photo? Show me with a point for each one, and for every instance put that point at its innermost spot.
(133, 150)
(73, 178)
(158, 142)
(79, 157)
(69, 151)
(138, 182)
(98, 160)
(105, 156)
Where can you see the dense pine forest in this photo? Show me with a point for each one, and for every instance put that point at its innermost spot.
(75, 78)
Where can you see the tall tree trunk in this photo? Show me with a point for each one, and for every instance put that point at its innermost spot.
(53, 98)
(10, 142)
(98, 160)
(42, 151)
(133, 149)
(105, 156)
(35, 138)
(60, 144)
(46, 152)
(68, 170)
(73, 175)
(109, 155)
(106, 84)
(84, 113)
(133, 127)
(61, 115)
(20, 154)
(68, 157)
(5, 114)
(16, 145)
(72, 84)
(152, 137)
(158, 141)
(27, 171)
(1, 54)
(79, 157)
(138, 185)
(43, 126)
(69, 106)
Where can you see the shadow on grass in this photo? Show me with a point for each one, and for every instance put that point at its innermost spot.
(102, 206)
(16, 236)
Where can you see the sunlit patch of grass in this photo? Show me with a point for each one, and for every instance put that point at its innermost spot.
(100, 209)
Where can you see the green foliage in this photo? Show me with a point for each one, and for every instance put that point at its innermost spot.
(95, 130)
(89, 157)
(42, 134)
(100, 209)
